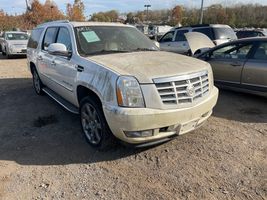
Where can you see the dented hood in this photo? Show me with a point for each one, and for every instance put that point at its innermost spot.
(198, 41)
(146, 66)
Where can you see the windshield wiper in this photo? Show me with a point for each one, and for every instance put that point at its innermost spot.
(108, 52)
(144, 49)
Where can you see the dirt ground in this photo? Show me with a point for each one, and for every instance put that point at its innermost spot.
(43, 154)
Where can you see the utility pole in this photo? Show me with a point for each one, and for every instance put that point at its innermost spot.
(201, 12)
(147, 7)
(28, 8)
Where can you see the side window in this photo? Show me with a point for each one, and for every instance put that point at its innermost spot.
(35, 37)
(237, 51)
(64, 38)
(49, 37)
(180, 36)
(206, 31)
(261, 52)
(167, 37)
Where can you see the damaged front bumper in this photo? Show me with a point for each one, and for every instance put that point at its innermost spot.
(154, 125)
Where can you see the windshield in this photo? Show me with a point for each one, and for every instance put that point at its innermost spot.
(93, 40)
(225, 33)
(16, 36)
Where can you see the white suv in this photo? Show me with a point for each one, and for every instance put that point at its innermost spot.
(175, 40)
(119, 82)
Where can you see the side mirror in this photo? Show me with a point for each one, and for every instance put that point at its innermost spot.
(157, 44)
(58, 49)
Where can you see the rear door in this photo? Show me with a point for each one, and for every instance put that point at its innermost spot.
(254, 75)
(227, 62)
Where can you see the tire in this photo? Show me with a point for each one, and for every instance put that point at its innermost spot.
(37, 83)
(94, 125)
(3, 53)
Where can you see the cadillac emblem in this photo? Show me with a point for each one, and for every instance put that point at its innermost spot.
(190, 90)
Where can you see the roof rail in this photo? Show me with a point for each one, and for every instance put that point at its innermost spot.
(52, 22)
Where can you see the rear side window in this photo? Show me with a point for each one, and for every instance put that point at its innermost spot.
(35, 37)
(49, 38)
(206, 31)
(180, 37)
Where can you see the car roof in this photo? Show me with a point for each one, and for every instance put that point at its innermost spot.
(203, 26)
(77, 24)
(244, 40)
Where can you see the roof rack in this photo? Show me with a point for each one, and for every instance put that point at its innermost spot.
(52, 22)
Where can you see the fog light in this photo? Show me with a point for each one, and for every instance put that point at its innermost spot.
(135, 134)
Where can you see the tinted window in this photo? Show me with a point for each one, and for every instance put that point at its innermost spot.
(180, 36)
(207, 31)
(64, 38)
(245, 34)
(168, 37)
(261, 52)
(49, 37)
(35, 37)
(224, 33)
(235, 51)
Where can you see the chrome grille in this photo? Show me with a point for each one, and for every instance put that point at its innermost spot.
(183, 89)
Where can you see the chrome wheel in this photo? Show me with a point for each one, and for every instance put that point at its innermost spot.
(91, 124)
(36, 82)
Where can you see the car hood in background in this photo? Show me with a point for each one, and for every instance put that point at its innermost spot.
(198, 41)
(147, 65)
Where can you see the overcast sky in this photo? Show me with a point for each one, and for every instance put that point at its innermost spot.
(92, 6)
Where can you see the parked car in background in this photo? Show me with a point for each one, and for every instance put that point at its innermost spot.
(119, 82)
(157, 31)
(250, 33)
(14, 43)
(175, 40)
(240, 64)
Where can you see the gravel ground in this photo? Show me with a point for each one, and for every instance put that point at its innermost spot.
(43, 154)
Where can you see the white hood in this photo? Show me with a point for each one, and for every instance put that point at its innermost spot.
(146, 66)
(198, 41)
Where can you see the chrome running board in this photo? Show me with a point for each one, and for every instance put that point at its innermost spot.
(65, 104)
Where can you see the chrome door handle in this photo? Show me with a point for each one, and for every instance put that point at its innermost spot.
(39, 58)
(235, 64)
(53, 63)
(79, 68)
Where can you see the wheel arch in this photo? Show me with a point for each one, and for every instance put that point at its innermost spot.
(32, 67)
(83, 91)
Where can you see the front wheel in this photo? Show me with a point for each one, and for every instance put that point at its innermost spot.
(37, 83)
(94, 124)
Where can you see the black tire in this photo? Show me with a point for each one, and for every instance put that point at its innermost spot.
(95, 129)
(37, 83)
(3, 53)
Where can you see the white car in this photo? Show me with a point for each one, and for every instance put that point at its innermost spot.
(119, 82)
(175, 41)
(14, 43)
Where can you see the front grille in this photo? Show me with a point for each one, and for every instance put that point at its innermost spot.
(183, 89)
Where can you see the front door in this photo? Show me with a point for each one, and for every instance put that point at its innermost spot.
(228, 62)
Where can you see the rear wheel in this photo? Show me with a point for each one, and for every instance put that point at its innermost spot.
(94, 124)
(37, 83)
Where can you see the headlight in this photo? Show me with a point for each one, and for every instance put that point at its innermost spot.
(10, 46)
(129, 93)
